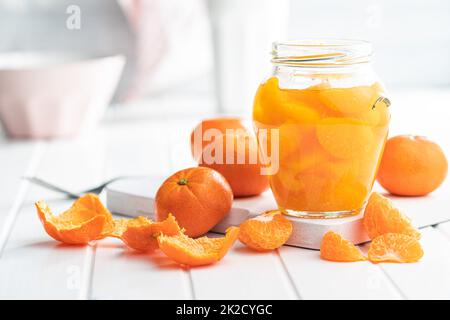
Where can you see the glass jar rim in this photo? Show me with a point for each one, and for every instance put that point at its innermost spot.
(321, 52)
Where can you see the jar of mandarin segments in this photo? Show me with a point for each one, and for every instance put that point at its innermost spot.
(331, 116)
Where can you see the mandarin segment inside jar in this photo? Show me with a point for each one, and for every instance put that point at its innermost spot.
(330, 141)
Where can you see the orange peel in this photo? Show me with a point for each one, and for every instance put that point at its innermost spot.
(85, 221)
(140, 233)
(89, 220)
(267, 231)
(197, 252)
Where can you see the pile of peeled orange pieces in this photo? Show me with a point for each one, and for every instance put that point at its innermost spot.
(393, 237)
(192, 201)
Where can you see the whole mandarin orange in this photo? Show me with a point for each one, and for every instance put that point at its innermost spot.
(199, 198)
(412, 166)
(240, 164)
(220, 124)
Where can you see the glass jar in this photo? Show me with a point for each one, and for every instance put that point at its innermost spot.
(326, 117)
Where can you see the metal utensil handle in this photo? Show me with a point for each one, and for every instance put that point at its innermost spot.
(52, 187)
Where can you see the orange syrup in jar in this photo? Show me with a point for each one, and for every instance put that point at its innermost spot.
(330, 139)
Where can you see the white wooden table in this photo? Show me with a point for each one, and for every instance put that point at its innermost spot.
(133, 141)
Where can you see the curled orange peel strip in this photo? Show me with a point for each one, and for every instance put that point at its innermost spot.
(140, 233)
(197, 252)
(85, 221)
(89, 220)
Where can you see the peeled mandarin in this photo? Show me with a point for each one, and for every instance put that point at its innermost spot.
(296, 139)
(267, 103)
(335, 248)
(330, 140)
(350, 101)
(302, 162)
(366, 103)
(267, 231)
(381, 216)
(309, 97)
(299, 113)
(298, 192)
(395, 247)
(370, 117)
(344, 138)
(349, 194)
(315, 190)
(366, 165)
(286, 180)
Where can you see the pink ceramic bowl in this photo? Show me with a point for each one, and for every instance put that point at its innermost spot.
(55, 95)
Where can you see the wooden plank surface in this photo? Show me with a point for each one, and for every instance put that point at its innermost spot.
(74, 164)
(244, 273)
(430, 277)
(30, 256)
(319, 279)
(16, 159)
(120, 273)
(34, 266)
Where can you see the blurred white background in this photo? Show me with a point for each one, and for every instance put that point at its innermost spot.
(170, 43)
(411, 38)
(188, 60)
